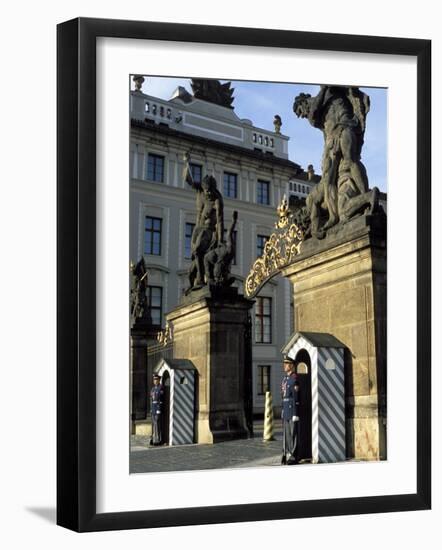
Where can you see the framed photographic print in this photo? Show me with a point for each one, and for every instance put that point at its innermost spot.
(228, 314)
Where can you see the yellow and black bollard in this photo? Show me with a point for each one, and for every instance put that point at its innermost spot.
(268, 419)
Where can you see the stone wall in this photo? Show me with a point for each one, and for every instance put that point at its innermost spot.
(339, 287)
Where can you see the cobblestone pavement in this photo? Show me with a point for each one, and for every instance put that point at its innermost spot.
(230, 454)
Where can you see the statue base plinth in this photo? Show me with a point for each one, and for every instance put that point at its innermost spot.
(210, 291)
(210, 329)
(339, 286)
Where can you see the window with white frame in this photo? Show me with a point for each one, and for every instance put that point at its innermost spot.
(260, 244)
(230, 185)
(263, 192)
(188, 231)
(155, 167)
(155, 304)
(197, 172)
(263, 379)
(263, 320)
(152, 235)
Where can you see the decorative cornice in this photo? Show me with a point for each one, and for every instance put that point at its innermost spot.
(164, 129)
(156, 267)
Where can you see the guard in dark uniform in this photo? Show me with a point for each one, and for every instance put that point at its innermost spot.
(289, 415)
(156, 411)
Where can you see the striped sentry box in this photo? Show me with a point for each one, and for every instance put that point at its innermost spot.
(181, 400)
(328, 392)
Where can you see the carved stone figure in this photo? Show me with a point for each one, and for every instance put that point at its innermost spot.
(340, 112)
(213, 91)
(300, 214)
(277, 123)
(209, 228)
(138, 307)
(138, 80)
(352, 202)
(217, 262)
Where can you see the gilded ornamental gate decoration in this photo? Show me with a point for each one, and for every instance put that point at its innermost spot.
(279, 250)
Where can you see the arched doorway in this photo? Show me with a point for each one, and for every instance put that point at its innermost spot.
(166, 406)
(303, 370)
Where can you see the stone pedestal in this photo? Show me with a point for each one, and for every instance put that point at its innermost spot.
(339, 286)
(211, 328)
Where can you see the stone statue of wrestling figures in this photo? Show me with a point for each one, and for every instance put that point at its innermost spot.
(212, 252)
(343, 192)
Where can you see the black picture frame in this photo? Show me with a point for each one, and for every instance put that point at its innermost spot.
(76, 274)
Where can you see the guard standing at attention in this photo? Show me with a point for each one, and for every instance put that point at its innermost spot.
(289, 415)
(156, 411)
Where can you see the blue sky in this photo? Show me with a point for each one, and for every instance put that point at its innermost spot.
(260, 101)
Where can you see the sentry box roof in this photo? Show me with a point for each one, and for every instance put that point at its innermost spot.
(316, 339)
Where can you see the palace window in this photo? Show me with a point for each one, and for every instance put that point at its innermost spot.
(155, 167)
(197, 172)
(263, 192)
(188, 230)
(263, 320)
(263, 379)
(152, 235)
(155, 303)
(260, 243)
(230, 185)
